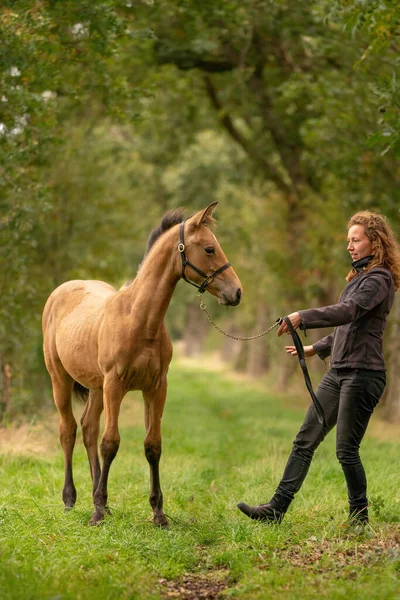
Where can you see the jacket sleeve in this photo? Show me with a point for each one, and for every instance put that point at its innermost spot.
(323, 347)
(371, 292)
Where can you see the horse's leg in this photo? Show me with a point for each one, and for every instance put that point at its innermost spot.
(112, 396)
(62, 390)
(154, 408)
(90, 422)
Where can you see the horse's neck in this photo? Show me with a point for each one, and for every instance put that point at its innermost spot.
(151, 292)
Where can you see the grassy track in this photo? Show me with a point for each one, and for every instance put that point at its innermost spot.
(223, 441)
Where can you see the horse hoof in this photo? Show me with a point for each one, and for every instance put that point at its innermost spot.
(68, 507)
(161, 522)
(97, 519)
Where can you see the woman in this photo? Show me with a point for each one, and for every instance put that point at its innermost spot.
(352, 387)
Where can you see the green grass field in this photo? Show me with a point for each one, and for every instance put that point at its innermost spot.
(224, 441)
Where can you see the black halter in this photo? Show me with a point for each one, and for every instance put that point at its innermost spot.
(185, 262)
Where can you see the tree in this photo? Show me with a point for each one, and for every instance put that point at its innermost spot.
(284, 91)
(376, 23)
(112, 110)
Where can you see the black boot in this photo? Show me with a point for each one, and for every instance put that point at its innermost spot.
(357, 523)
(262, 512)
(358, 516)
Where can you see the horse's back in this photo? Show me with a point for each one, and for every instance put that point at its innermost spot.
(79, 287)
(72, 295)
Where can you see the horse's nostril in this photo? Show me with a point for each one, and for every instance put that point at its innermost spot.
(239, 294)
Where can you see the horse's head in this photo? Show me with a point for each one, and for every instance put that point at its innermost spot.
(204, 262)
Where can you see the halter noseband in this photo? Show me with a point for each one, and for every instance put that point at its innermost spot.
(185, 262)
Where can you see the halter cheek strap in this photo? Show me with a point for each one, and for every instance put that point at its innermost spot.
(186, 263)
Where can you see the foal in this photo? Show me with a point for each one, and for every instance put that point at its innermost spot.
(110, 342)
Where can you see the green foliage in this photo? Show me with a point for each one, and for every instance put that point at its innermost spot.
(375, 24)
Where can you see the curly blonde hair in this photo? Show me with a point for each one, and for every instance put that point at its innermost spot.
(385, 247)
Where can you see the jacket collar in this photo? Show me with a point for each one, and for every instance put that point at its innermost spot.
(359, 264)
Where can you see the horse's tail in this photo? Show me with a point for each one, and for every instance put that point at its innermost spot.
(81, 392)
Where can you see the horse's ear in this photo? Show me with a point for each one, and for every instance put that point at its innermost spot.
(204, 217)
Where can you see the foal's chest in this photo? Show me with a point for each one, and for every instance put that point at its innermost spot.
(143, 365)
(145, 372)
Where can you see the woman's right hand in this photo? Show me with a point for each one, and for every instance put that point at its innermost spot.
(308, 350)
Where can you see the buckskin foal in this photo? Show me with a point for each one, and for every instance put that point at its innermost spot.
(110, 342)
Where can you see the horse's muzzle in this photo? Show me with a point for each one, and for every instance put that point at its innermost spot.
(226, 300)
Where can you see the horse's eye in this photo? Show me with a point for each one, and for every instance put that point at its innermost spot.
(210, 250)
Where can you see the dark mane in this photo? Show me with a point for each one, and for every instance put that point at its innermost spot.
(171, 218)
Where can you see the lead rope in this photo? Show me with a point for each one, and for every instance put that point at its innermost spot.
(302, 360)
(300, 354)
(234, 337)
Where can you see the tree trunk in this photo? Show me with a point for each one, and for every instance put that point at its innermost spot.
(257, 357)
(196, 330)
(241, 360)
(5, 400)
(287, 368)
(231, 348)
(391, 399)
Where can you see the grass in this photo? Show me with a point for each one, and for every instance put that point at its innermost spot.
(223, 441)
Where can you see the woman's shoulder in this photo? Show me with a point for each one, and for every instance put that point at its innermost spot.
(379, 269)
(379, 272)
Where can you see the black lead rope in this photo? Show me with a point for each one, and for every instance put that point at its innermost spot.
(300, 353)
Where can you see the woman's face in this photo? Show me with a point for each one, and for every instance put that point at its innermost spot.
(358, 243)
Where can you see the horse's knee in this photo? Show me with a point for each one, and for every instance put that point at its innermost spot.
(68, 431)
(152, 452)
(109, 448)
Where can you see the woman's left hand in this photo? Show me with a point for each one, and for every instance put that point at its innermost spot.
(295, 321)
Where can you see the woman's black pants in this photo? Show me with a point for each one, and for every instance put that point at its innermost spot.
(348, 397)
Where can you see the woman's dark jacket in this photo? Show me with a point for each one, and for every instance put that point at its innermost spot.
(359, 319)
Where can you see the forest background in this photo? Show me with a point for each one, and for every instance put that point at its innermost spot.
(111, 113)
